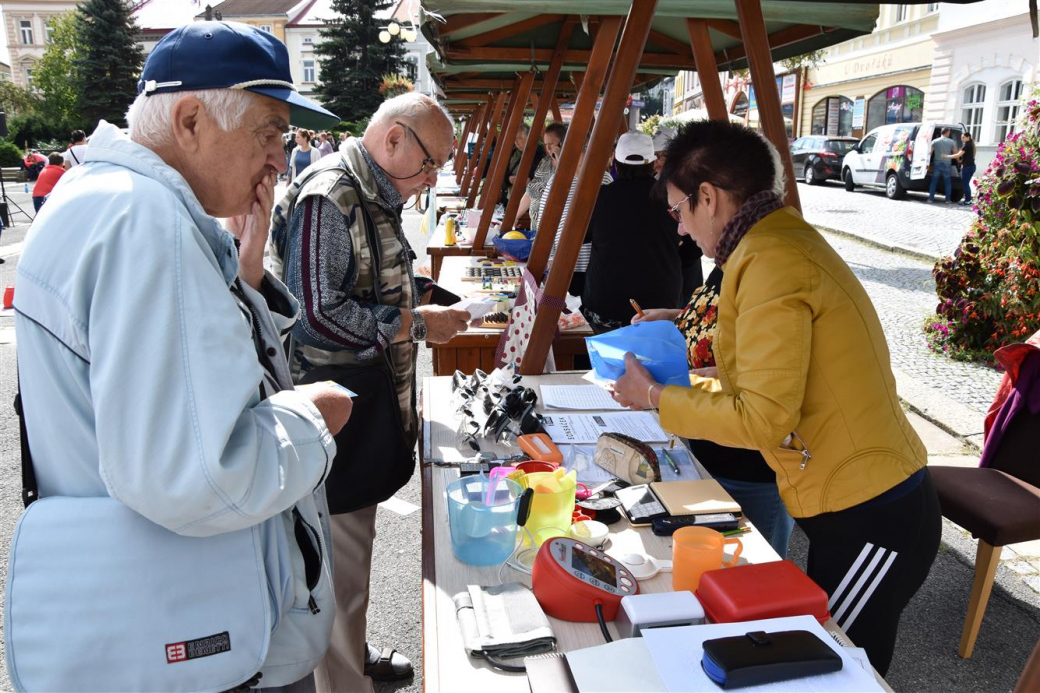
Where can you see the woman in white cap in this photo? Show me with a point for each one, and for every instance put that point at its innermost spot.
(634, 244)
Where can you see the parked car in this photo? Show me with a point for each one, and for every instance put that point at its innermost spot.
(818, 158)
(897, 158)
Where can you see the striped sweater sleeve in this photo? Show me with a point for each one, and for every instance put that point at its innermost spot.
(323, 279)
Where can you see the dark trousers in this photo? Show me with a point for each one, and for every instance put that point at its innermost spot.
(870, 560)
(38, 202)
(967, 173)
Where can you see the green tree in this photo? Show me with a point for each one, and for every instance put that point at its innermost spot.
(15, 100)
(110, 61)
(55, 74)
(352, 59)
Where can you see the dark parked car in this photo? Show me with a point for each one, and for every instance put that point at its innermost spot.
(818, 158)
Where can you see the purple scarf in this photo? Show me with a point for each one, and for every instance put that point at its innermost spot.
(753, 210)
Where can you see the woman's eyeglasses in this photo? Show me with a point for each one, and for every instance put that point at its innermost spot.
(673, 211)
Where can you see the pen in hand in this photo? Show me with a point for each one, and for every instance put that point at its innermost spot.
(635, 306)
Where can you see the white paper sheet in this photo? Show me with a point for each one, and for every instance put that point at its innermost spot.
(580, 397)
(476, 306)
(621, 666)
(677, 653)
(586, 428)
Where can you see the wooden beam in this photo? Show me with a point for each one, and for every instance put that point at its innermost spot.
(460, 147)
(489, 141)
(784, 37)
(459, 22)
(707, 70)
(503, 146)
(478, 145)
(573, 145)
(724, 26)
(493, 185)
(555, 106)
(667, 42)
(510, 30)
(770, 115)
(590, 179)
(541, 108)
(450, 86)
(544, 55)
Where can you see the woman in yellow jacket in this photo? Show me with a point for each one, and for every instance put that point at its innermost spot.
(804, 377)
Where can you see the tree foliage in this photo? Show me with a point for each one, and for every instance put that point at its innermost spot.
(107, 67)
(53, 75)
(352, 59)
(15, 100)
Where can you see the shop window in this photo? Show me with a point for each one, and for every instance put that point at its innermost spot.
(900, 104)
(832, 116)
(973, 98)
(1007, 107)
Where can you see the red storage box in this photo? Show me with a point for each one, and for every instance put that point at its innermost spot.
(761, 590)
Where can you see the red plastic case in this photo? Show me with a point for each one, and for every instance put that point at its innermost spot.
(761, 590)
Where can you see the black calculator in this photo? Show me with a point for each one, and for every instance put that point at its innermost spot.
(720, 522)
(640, 504)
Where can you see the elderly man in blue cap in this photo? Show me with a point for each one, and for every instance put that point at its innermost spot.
(152, 375)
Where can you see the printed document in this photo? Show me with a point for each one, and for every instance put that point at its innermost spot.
(586, 428)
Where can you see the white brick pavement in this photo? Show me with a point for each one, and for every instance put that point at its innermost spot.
(931, 230)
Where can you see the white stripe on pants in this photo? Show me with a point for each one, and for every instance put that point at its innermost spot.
(343, 669)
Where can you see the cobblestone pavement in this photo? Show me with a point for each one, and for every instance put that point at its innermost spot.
(931, 230)
(903, 292)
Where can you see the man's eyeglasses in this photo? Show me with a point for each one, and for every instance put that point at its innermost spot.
(674, 210)
(429, 164)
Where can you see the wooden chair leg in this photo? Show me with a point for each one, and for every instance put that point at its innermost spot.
(986, 561)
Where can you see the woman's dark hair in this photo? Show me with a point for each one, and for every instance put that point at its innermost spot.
(558, 129)
(727, 155)
(78, 136)
(630, 171)
(967, 134)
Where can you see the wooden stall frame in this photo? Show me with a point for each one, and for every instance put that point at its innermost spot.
(541, 108)
(601, 143)
(502, 146)
(460, 146)
(481, 131)
(573, 144)
(489, 141)
(707, 70)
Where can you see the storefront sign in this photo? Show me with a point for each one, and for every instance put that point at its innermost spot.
(868, 67)
(857, 113)
(788, 89)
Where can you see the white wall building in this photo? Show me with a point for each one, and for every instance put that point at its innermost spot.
(985, 60)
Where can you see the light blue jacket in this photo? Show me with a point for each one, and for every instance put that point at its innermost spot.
(140, 379)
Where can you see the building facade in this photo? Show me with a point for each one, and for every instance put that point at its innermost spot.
(28, 33)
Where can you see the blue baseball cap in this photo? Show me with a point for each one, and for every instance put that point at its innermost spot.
(229, 55)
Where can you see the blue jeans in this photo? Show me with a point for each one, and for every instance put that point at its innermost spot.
(967, 172)
(946, 171)
(760, 501)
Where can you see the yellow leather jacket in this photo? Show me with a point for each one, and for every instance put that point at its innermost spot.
(804, 374)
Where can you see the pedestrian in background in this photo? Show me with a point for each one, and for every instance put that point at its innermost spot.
(48, 179)
(966, 157)
(942, 151)
(325, 148)
(77, 152)
(303, 154)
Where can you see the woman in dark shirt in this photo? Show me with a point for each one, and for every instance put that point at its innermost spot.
(743, 473)
(967, 158)
(634, 243)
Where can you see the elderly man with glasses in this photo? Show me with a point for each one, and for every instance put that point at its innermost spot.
(337, 229)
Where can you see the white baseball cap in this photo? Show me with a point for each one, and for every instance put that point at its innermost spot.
(634, 149)
(662, 136)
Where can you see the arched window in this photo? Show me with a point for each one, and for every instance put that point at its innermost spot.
(832, 116)
(1008, 95)
(740, 105)
(972, 99)
(901, 104)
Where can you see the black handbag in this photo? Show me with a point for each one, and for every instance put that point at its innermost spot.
(374, 455)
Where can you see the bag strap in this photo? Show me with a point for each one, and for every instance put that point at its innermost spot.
(30, 492)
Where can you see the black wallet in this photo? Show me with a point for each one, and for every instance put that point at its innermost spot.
(760, 657)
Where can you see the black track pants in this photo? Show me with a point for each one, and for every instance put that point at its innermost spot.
(871, 559)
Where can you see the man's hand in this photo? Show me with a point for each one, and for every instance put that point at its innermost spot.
(331, 401)
(251, 231)
(651, 314)
(443, 323)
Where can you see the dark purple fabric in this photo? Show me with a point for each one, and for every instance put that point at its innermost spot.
(754, 209)
(1025, 394)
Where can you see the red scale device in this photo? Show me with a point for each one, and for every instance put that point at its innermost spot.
(570, 578)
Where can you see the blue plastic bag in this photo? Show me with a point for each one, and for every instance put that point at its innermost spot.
(518, 249)
(658, 345)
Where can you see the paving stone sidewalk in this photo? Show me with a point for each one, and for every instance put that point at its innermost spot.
(929, 230)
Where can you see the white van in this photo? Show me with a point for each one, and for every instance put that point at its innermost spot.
(896, 158)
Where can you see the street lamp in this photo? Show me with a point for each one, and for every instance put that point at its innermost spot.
(394, 29)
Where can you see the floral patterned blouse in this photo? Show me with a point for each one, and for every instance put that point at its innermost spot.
(698, 320)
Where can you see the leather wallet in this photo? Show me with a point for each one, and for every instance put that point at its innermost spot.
(759, 657)
(627, 458)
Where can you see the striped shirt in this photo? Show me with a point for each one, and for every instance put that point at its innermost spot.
(586, 248)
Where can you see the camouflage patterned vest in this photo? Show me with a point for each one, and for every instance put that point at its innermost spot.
(345, 179)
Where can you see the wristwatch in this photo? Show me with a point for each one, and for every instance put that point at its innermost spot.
(418, 327)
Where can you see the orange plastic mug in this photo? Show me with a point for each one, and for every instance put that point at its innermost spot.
(696, 550)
